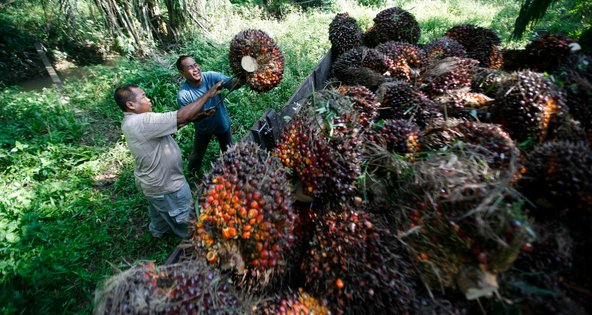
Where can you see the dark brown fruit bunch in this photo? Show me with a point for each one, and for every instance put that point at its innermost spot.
(577, 78)
(527, 105)
(559, 176)
(412, 54)
(548, 52)
(245, 205)
(365, 103)
(481, 44)
(444, 47)
(467, 105)
(488, 81)
(352, 67)
(344, 34)
(357, 266)
(451, 73)
(515, 59)
(399, 136)
(263, 49)
(401, 100)
(293, 303)
(393, 24)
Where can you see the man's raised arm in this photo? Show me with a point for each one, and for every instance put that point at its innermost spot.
(192, 111)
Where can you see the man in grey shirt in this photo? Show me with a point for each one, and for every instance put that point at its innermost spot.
(158, 166)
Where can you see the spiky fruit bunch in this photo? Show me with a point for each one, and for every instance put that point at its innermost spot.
(481, 44)
(393, 24)
(577, 78)
(321, 146)
(412, 54)
(548, 52)
(401, 100)
(444, 47)
(350, 68)
(462, 220)
(448, 74)
(293, 303)
(467, 105)
(185, 288)
(270, 60)
(357, 266)
(527, 104)
(488, 81)
(515, 59)
(245, 205)
(398, 136)
(559, 176)
(344, 34)
(365, 103)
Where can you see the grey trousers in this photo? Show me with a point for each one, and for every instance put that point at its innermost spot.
(170, 212)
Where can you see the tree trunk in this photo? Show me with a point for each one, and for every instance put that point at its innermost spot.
(156, 19)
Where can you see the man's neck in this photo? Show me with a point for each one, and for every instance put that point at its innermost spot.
(194, 83)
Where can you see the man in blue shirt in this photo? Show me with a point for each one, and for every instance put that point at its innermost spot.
(197, 84)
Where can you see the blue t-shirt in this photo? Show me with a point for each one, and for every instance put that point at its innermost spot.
(219, 122)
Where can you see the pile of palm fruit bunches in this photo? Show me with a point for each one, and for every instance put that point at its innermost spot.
(453, 177)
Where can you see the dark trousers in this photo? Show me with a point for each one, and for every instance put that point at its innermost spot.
(200, 145)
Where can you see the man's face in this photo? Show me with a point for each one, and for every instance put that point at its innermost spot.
(191, 71)
(141, 103)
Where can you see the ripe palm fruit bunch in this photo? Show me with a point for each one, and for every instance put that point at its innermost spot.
(270, 60)
(469, 105)
(548, 52)
(451, 73)
(559, 176)
(321, 147)
(527, 105)
(184, 288)
(365, 103)
(393, 24)
(515, 59)
(488, 81)
(293, 303)
(344, 34)
(407, 59)
(444, 47)
(352, 67)
(577, 78)
(400, 100)
(399, 136)
(357, 266)
(481, 44)
(246, 211)
(465, 216)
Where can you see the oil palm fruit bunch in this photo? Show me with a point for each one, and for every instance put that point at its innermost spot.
(465, 215)
(357, 266)
(527, 105)
(558, 177)
(407, 59)
(365, 103)
(400, 100)
(184, 288)
(246, 211)
(444, 47)
(351, 67)
(577, 78)
(293, 303)
(451, 73)
(321, 147)
(268, 56)
(393, 24)
(399, 136)
(481, 44)
(549, 51)
(344, 34)
(469, 105)
(515, 59)
(488, 81)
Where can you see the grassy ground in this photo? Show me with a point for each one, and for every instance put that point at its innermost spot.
(70, 215)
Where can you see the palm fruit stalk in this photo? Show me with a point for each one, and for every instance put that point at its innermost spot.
(401, 100)
(451, 73)
(293, 303)
(444, 47)
(527, 105)
(268, 56)
(393, 24)
(548, 52)
(351, 68)
(357, 266)
(186, 288)
(480, 43)
(344, 34)
(246, 219)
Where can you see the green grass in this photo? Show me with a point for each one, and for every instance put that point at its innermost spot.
(70, 214)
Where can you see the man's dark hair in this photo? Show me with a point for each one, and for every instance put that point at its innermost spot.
(178, 63)
(123, 94)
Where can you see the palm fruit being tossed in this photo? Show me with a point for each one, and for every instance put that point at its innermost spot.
(401, 100)
(344, 34)
(246, 213)
(186, 288)
(559, 177)
(393, 24)
(444, 47)
(293, 303)
(267, 55)
(549, 51)
(480, 43)
(357, 266)
(399, 136)
(527, 105)
(451, 73)
(464, 215)
(365, 103)
(352, 67)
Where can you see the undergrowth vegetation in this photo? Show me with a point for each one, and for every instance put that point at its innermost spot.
(70, 214)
